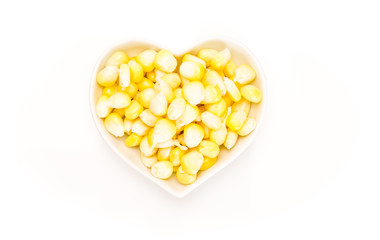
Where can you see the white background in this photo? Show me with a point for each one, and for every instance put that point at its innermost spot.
(311, 173)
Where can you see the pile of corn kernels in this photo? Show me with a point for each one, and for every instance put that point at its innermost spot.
(178, 112)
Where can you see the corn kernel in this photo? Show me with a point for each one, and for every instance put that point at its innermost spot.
(146, 148)
(194, 71)
(124, 75)
(102, 108)
(148, 161)
(158, 104)
(212, 95)
(251, 93)
(191, 58)
(148, 118)
(219, 61)
(218, 136)
(164, 87)
(176, 108)
(144, 84)
(207, 163)
(178, 93)
(231, 139)
(172, 79)
(175, 168)
(162, 169)
(133, 110)
(206, 129)
(163, 131)
(146, 96)
(230, 69)
(107, 76)
(165, 61)
(151, 76)
(207, 55)
(242, 105)
(244, 74)
(214, 79)
(128, 124)
(164, 153)
(248, 127)
(184, 81)
(185, 178)
(193, 135)
(137, 72)
(235, 120)
(175, 156)
(119, 100)
(114, 124)
(193, 92)
(120, 111)
(131, 90)
(232, 90)
(159, 74)
(211, 120)
(191, 112)
(109, 91)
(191, 162)
(140, 128)
(133, 140)
(145, 59)
(117, 58)
(217, 108)
(209, 149)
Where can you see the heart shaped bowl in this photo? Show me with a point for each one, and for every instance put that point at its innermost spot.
(240, 54)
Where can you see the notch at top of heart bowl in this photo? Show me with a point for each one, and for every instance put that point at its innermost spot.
(239, 55)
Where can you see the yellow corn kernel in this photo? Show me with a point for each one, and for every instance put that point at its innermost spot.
(178, 93)
(209, 149)
(148, 161)
(114, 124)
(132, 140)
(172, 79)
(230, 69)
(243, 105)
(146, 148)
(131, 89)
(102, 108)
(164, 130)
(191, 162)
(214, 79)
(158, 104)
(211, 120)
(206, 129)
(194, 71)
(252, 93)
(220, 60)
(109, 91)
(145, 59)
(191, 58)
(140, 128)
(193, 135)
(137, 72)
(235, 120)
(164, 87)
(107, 76)
(146, 96)
(185, 178)
(193, 92)
(148, 118)
(217, 108)
(244, 74)
(207, 163)
(231, 139)
(151, 76)
(144, 84)
(218, 136)
(175, 168)
(212, 95)
(164, 153)
(175, 156)
(248, 127)
(162, 169)
(165, 61)
(207, 55)
(181, 139)
(120, 111)
(191, 112)
(128, 124)
(124, 75)
(176, 108)
(117, 58)
(119, 100)
(232, 90)
(133, 110)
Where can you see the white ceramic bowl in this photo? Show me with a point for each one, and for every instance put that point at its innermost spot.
(240, 54)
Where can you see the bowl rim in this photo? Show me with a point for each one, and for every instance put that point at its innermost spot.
(186, 47)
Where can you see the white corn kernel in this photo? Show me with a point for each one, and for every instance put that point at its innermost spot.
(163, 131)
(242, 105)
(209, 149)
(148, 118)
(193, 92)
(220, 60)
(172, 79)
(140, 128)
(102, 108)
(124, 75)
(145, 97)
(164, 87)
(114, 124)
(147, 149)
(162, 169)
(193, 135)
(185, 178)
(236, 120)
(107, 76)
(158, 104)
(207, 55)
(191, 162)
(117, 58)
(119, 100)
(128, 124)
(166, 144)
(148, 161)
(163, 153)
(248, 127)
(190, 114)
(251, 93)
(218, 136)
(191, 58)
(232, 90)
(212, 94)
(165, 61)
(211, 120)
(193, 71)
(145, 59)
(244, 74)
(214, 79)
(176, 108)
(231, 139)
